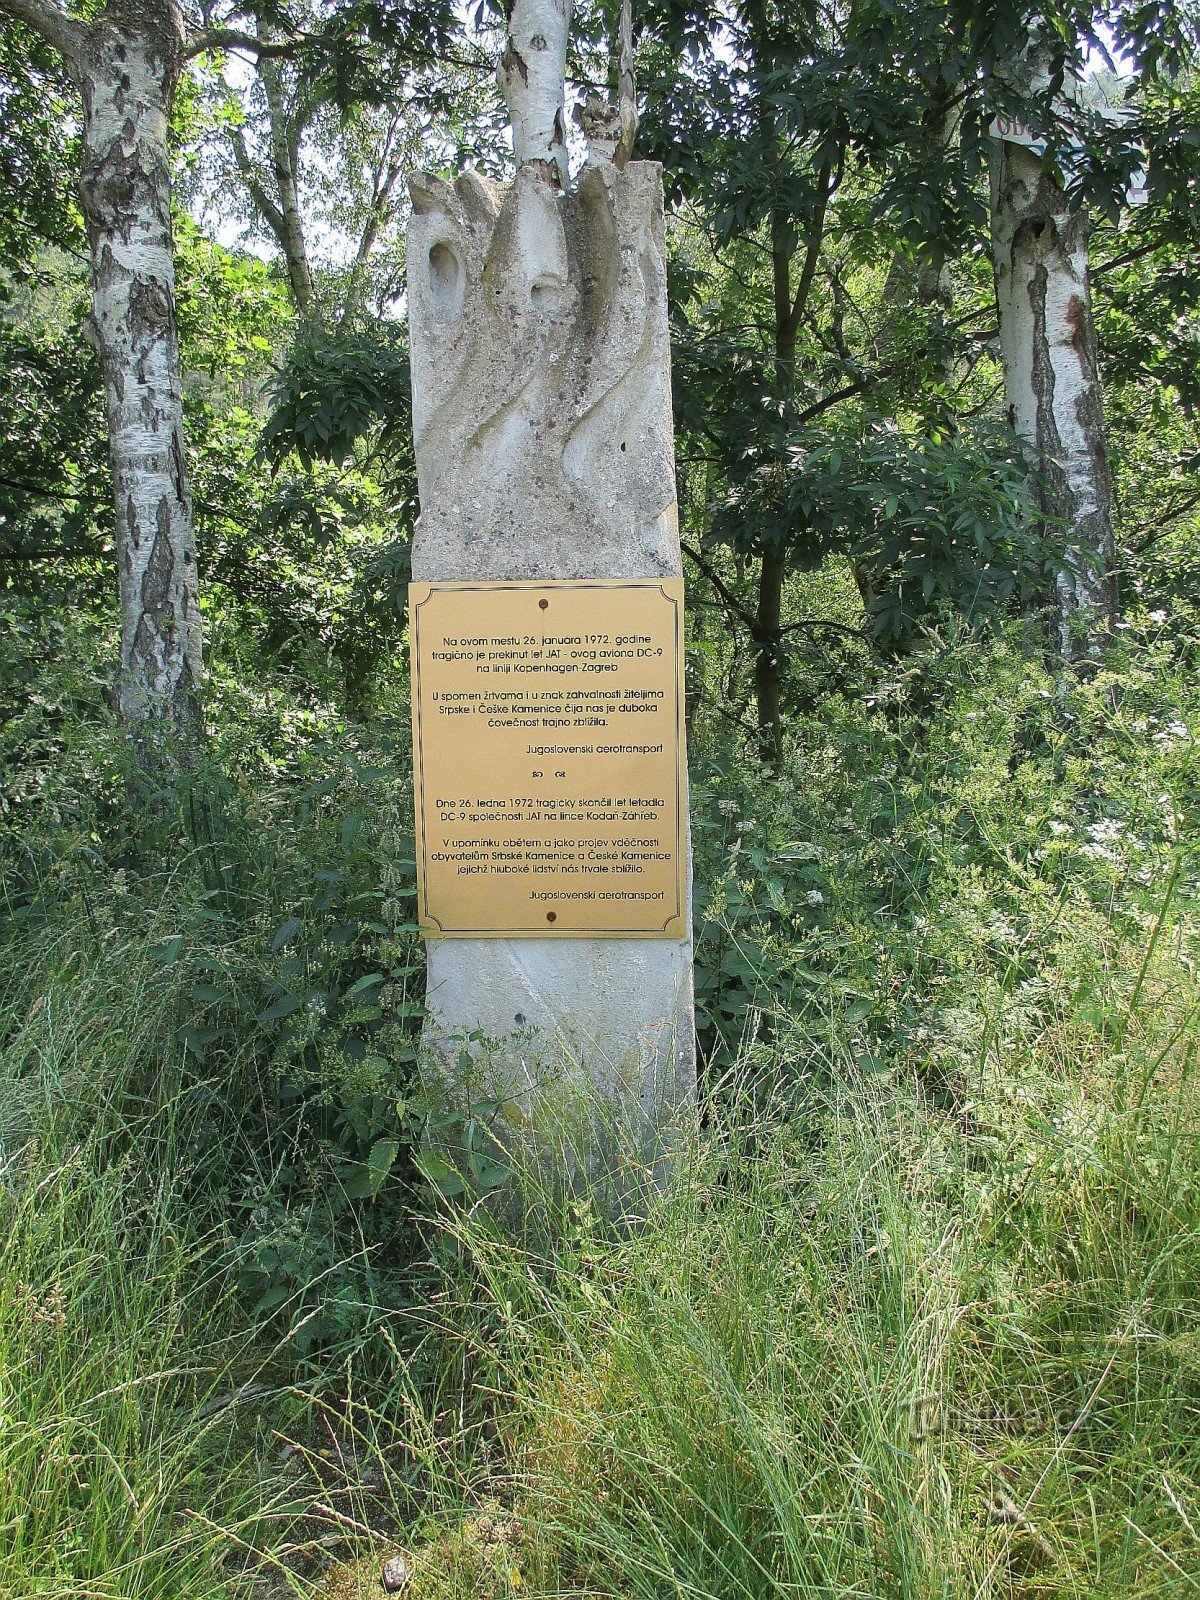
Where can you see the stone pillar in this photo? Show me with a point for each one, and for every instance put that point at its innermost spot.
(545, 450)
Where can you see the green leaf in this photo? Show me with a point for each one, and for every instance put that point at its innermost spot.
(491, 1175)
(286, 934)
(440, 1174)
(283, 1007)
(272, 1299)
(381, 1161)
(197, 1039)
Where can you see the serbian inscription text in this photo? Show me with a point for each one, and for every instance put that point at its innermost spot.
(548, 758)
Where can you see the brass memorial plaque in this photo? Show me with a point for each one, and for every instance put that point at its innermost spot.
(548, 758)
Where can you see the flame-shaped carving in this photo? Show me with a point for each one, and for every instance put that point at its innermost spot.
(541, 376)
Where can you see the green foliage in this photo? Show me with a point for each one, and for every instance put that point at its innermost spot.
(866, 1348)
(53, 482)
(915, 1313)
(940, 521)
(272, 966)
(38, 156)
(232, 313)
(339, 387)
(937, 521)
(944, 969)
(119, 1446)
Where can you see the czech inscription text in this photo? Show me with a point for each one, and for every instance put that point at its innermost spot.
(548, 758)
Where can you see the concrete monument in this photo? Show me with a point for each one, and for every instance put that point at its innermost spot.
(545, 451)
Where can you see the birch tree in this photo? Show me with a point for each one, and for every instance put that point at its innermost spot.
(532, 75)
(277, 197)
(125, 62)
(1051, 368)
(357, 169)
(324, 104)
(125, 59)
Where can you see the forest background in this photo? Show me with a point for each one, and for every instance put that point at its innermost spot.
(918, 1315)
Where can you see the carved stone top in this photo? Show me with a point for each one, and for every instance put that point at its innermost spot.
(541, 377)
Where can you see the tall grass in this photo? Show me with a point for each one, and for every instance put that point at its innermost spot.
(917, 1314)
(868, 1346)
(119, 1336)
(111, 1342)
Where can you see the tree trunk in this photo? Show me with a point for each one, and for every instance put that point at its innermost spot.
(386, 175)
(768, 665)
(278, 204)
(768, 615)
(127, 69)
(284, 152)
(930, 284)
(1052, 382)
(531, 77)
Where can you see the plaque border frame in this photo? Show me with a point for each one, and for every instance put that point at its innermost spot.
(428, 925)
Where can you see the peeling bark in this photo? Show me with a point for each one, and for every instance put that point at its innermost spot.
(126, 68)
(531, 75)
(1052, 381)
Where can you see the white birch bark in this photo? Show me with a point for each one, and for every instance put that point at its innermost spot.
(1052, 380)
(125, 62)
(127, 72)
(531, 75)
(284, 162)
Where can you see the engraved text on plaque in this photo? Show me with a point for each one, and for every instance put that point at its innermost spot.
(548, 758)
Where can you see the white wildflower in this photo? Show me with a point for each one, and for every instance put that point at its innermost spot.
(1098, 852)
(1106, 831)
(1173, 733)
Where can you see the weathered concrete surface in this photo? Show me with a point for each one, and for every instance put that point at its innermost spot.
(542, 420)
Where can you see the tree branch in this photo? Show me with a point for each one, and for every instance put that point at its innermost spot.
(827, 403)
(727, 595)
(382, 185)
(826, 184)
(870, 381)
(1122, 260)
(819, 622)
(64, 552)
(271, 213)
(626, 86)
(51, 23)
(738, 721)
(234, 39)
(41, 490)
(1151, 533)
